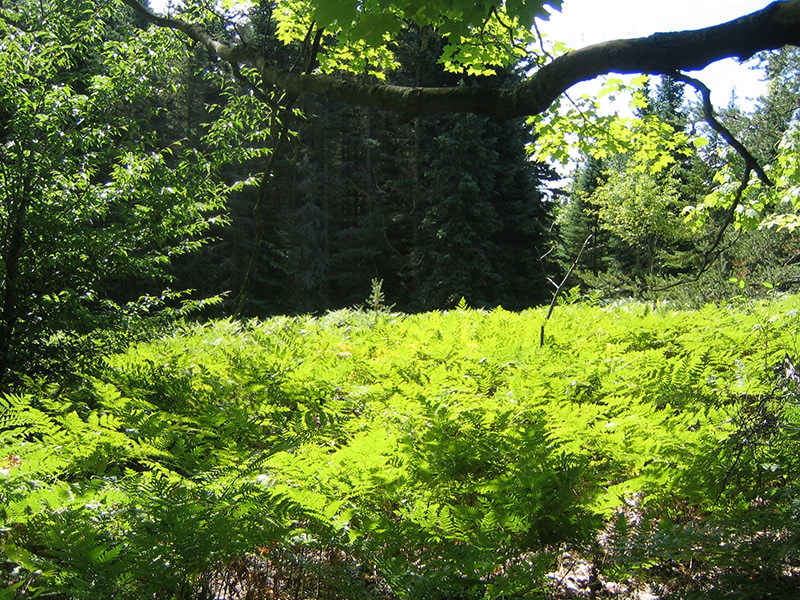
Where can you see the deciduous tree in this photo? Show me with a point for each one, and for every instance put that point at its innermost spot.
(88, 200)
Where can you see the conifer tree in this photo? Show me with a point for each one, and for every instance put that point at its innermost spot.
(429, 207)
(578, 219)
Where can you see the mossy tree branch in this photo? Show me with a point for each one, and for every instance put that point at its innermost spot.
(775, 26)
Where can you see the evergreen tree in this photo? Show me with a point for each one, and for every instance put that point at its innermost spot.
(773, 111)
(668, 104)
(436, 208)
(454, 248)
(480, 217)
(578, 219)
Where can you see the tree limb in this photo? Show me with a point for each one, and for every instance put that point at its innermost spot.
(775, 26)
(708, 113)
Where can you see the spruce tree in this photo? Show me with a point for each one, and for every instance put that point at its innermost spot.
(481, 221)
(578, 219)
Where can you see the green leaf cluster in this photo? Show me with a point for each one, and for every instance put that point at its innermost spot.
(482, 36)
(760, 207)
(583, 126)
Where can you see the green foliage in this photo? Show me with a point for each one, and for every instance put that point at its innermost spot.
(442, 451)
(657, 210)
(483, 221)
(636, 207)
(436, 208)
(774, 110)
(652, 143)
(482, 37)
(760, 207)
(89, 200)
(377, 299)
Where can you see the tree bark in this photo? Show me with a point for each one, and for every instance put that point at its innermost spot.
(775, 26)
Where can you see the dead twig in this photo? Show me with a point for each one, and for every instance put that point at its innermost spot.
(560, 286)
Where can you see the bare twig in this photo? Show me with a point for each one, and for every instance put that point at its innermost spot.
(560, 286)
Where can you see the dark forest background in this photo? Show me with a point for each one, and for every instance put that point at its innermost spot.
(448, 206)
(436, 208)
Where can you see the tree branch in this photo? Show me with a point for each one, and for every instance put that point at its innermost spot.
(775, 26)
(559, 287)
(708, 113)
(233, 53)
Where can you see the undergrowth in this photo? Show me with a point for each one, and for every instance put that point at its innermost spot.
(441, 455)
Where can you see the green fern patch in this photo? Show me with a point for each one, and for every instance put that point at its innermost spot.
(439, 455)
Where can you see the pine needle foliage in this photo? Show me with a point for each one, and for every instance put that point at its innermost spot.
(439, 455)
